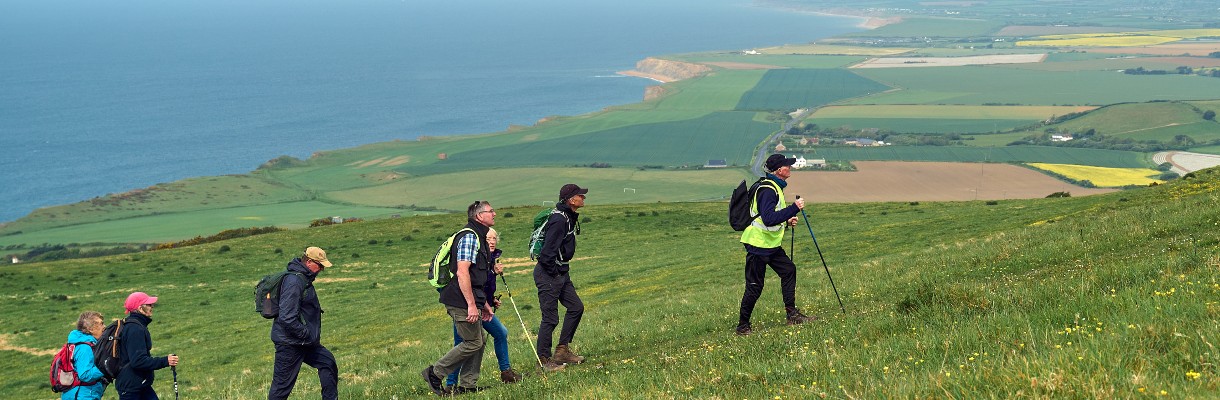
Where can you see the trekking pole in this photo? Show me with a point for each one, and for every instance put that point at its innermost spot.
(524, 330)
(791, 243)
(815, 245)
(174, 369)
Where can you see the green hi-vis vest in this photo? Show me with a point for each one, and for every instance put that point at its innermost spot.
(759, 235)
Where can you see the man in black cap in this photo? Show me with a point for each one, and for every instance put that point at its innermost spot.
(764, 240)
(551, 277)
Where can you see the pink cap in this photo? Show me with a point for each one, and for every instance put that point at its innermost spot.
(137, 299)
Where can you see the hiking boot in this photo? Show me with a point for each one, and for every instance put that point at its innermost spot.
(795, 317)
(550, 365)
(744, 330)
(566, 356)
(509, 376)
(434, 383)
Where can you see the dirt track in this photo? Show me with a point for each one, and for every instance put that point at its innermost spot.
(878, 181)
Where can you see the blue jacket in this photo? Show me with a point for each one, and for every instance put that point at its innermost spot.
(138, 365)
(82, 362)
(300, 320)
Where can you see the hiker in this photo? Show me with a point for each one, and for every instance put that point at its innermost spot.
(763, 241)
(297, 330)
(554, 285)
(495, 328)
(467, 303)
(88, 329)
(136, 378)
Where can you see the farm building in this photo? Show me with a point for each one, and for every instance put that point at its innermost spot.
(716, 164)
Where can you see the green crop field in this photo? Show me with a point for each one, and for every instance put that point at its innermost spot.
(936, 119)
(973, 85)
(1159, 121)
(1093, 157)
(729, 136)
(925, 125)
(788, 89)
(1108, 296)
(537, 186)
(162, 228)
(719, 90)
(995, 140)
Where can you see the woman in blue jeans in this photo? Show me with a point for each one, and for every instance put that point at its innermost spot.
(497, 330)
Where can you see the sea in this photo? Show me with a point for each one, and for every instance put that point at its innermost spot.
(100, 97)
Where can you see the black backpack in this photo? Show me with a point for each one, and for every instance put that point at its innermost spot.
(267, 293)
(739, 205)
(107, 355)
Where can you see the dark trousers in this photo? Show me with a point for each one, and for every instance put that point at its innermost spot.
(553, 291)
(145, 393)
(288, 359)
(756, 269)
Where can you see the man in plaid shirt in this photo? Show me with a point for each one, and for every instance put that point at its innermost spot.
(466, 302)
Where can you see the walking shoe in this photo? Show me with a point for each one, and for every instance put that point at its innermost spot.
(566, 356)
(744, 330)
(509, 376)
(464, 390)
(550, 365)
(434, 383)
(796, 317)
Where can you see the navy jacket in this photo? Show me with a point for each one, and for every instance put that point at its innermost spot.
(559, 244)
(300, 320)
(134, 345)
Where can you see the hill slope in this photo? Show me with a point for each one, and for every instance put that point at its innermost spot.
(1106, 296)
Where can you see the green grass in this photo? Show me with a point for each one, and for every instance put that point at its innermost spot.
(974, 85)
(534, 186)
(996, 140)
(1102, 296)
(925, 125)
(168, 227)
(789, 89)
(1159, 121)
(1093, 157)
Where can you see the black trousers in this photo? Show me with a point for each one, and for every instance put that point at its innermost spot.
(288, 359)
(553, 291)
(144, 393)
(756, 269)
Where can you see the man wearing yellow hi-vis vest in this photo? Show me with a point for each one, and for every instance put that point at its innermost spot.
(763, 241)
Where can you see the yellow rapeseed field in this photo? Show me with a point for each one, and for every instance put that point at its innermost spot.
(1120, 39)
(1102, 176)
(1102, 41)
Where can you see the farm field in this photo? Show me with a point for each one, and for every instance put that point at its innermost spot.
(881, 181)
(927, 62)
(1172, 49)
(1096, 157)
(933, 27)
(1160, 121)
(814, 61)
(1101, 176)
(539, 186)
(788, 89)
(977, 85)
(925, 125)
(943, 111)
(162, 228)
(1057, 298)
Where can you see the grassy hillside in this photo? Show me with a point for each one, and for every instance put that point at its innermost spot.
(1109, 296)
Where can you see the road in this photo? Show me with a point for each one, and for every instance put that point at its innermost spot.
(768, 145)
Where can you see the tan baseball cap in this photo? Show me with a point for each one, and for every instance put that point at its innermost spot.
(318, 255)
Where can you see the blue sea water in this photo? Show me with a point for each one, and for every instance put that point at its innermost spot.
(102, 97)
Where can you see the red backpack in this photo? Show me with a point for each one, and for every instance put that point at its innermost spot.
(63, 373)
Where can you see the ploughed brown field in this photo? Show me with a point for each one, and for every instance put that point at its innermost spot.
(880, 181)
